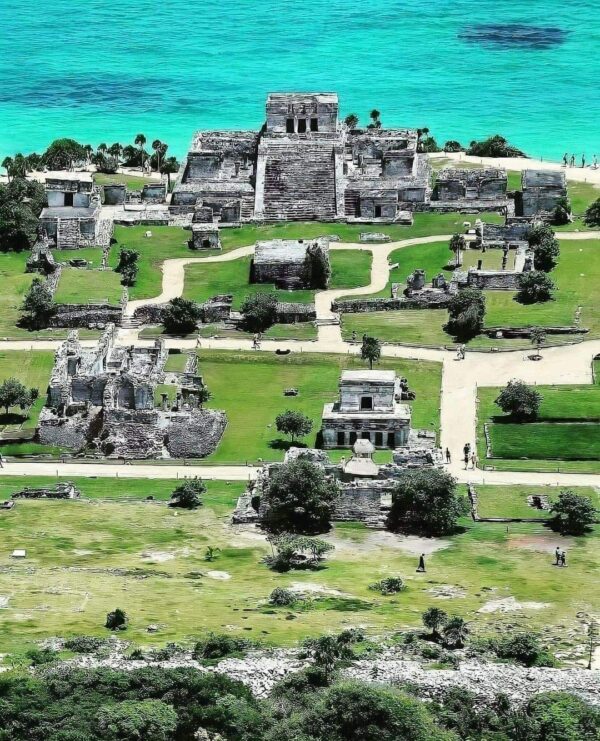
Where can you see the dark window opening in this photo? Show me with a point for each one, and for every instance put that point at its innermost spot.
(314, 124)
(365, 435)
(302, 126)
(206, 244)
(377, 212)
(379, 439)
(353, 437)
(366, 402)
(68, 199)
(391, 440)
(289, 125)
(341, 438)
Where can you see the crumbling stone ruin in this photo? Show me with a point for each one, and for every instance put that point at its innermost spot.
(470, 189)
(365, 487)
(512, 234)
(506, 279)
(154, 193)
(292, 263)
(101, 400)
(541, 190)
(41, 260)
(205, 236)
(71, 218)
(60, 490)
(304, 164)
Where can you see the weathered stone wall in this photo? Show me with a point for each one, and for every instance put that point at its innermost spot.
(494, 280)
(195, 434)
(426, 300)
(154, 193)
(71, 433)
(290, 313)
(86, 315)
(114, 194)
(360, 503)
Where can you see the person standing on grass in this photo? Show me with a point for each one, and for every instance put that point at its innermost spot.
(557, 556)
(563, 558)
(421, 567)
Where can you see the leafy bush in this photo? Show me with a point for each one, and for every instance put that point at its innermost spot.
(534, 287)
(542, 240)
(296, 551)
(592, 214)
(220, 645)
(466, 310)
(494, 146)
(181, 316)
(520, 401)
(573, 514)
(293, 423)
(389, 585)
(453, 146)
(524, 648)
(117, 620)
(562, 212)
(259, 312)
(40, 656)
(282, 597)
(188, 495)
(84, 644)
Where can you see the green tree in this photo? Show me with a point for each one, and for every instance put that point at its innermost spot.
(115, 151)
(127, 266)
(592, 213)
(534, 287)
(425, 501)
(38, 305)
(522, 647)
(136, 720)
(538, 337)
(560, 716)
(458, 243)
(520, 401)
(351, 121)
(169, 167)
(203, 395)
(159, 150)
(291, 550)
(466, 310)
(573, 514)
(8, 164)
(370, 350)
(63, 154)
(542, 240)
(21, 202)
(188, 495)
(375, 117)
(453, 146)
(300, 498)
(434, 618)
(293, 423)
(494, 146)
(455, 632)
(116, 620)
(13, 393)
(181, 316)
(259, 311)
(562, 212)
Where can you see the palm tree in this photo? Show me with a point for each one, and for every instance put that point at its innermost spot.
(8, 164)
(140, 140)
(169, 167)
(19, 166)
(370, 350)
(157, 146)
(102, 148)
(457, 244)
(89, 150)
(115, 151)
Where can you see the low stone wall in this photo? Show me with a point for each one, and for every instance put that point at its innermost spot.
(429, 300)
(60, 490)
(217, 309)
(525, 332)
(505, 280)
(86, 315)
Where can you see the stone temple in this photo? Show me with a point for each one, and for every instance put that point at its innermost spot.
(304, 164)
(101, 401)
(288, 263)
(369, 408)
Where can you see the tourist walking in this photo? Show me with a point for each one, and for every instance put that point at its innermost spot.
(583, 160)
(421, 567)
(557, 556)
(448, 458)
(563, 558)
(473, 460)
(572, 160)
(595, 163)
(565, 159)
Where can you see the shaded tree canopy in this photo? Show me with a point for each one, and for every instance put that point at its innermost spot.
(21, 202)
(573, 513)
(534, 287)
(466, 310)
(181, 316)
(494, 146)
(519, 400)
(260, 311)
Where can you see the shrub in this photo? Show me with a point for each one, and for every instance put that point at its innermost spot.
(592, 214)
(38, 305)
(389, 585)
(188, 495)
(181, 316)
(546, 247)
(128, 266)
(520, 401)
(534, 287)
(219, 645)
(522, 647)
(40, 656)
(453, 146)
(455, 632)
(259, 312)
(494, 146)
(296, 551)
(282, 597)
(293, 423)
(84, 644)
(466, 310)
(434, 618)
(573, 514)
(133, 720)
(562, 212)
(117, 620)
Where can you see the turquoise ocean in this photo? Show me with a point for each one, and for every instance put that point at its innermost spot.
(103, 71)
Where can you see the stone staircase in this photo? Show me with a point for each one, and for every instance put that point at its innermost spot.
(67, 234)
(130, 322)
(299, 182)
(104, 231)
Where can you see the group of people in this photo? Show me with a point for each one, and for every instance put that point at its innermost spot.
(460, 352)
(469, 456)
(561, 557)
(570, 161)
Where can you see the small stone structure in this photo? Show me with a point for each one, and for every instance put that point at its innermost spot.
(205, 237)
(41, 260)
(540, 192)
(497, 280)
(512, 234)
(71, 218)
(294, 313)
(465, 184)
(115, 194)
(154, 193)
(304, 164)
(369, 408)
(216, 309)
(60, 490)
(291, 263)
(101, 400)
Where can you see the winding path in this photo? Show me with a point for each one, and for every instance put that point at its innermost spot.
(567, 364)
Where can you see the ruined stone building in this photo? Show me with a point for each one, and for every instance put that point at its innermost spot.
(471, 185)
(102, 400)
(302, 165)
(71, 218)
(369, 408)
(541, 190)
(292, 263)
(512, 234)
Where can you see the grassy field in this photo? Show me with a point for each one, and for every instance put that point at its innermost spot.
(249, 387)
(77, 286)
(133, 182)
(84, 558)
(511, 501)
(567, 435)
(33, 370)
(349, 269)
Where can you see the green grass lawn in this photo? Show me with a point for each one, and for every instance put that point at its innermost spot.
(511, 501)
(33, 370)
(249, 387)
(84, 558)
(349, 269)
(81, 286)
(567, 435)
(133, 182)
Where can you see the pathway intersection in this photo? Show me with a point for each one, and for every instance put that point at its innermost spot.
(567, 364)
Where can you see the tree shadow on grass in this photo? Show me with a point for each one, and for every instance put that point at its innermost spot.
(280, 444)
(13, 418)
